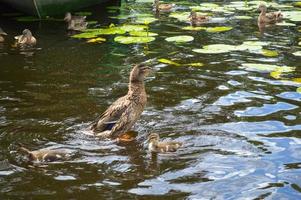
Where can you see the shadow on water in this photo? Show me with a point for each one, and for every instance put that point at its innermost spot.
(239, 123)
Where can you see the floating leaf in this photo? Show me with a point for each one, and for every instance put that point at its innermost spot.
(195, 64)
(130, 39)
(298, 89)
(132, 27)
(142, 33)
(266, 67)
(294, 16)
(146, 20)
(86, 35)
(298, 80)
(106, 31)
(276, 74)
(194, 28)
(297, 53)
(209, 51)
(269, 53)
(285, 24)
(243, 17)
(169, 62)
(96, 40)
(180, 38)
(218, 29)
(181, 16)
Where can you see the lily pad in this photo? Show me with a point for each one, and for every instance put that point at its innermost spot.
(218, 29)
(131, 39)
(86, 35)
(297, 53)
(146, 20)
(167, 61)
(132, 27)
(142, 33)
(106, 31)
(298, 89)
(243, 17)
(194, 28)
(181, 16)
(269, 53)
(294, 16)
(285, 24)
(180, 39)
(96, 40)
(209, 51)
(266, 67)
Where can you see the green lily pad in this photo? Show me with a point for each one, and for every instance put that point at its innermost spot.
(146, 20)
(142, 34)
(194, 28)
(269, 53)
(285, 24)
(266, 67)
(132, 27)
(180, 39)
(298, 89)
(105, 31)
(294, 16)
(131, 39)
(209, 51)
(218, 29)
(297, 4)
(86, 35)
(181, 16)
(167, 61)
(297, 53)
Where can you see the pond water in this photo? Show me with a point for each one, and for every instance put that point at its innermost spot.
(237, 110)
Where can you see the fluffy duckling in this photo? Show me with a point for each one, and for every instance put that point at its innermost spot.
(161, 147)
(271, 17)
(44, 155)
(26, 38)
(75, 23)
(125, 111)
(196, 19)
(1, 35)
(162, 7)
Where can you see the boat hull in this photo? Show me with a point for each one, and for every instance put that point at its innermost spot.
(43, 8)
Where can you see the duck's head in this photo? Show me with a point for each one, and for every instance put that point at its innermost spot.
(153, 137)
(139, 72)
(27, 33)
(262, 7)
(68, 17)
(2, 32)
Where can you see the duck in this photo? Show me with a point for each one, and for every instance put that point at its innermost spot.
(44, 155)
(75, 23)
(155, 146)
(125, 111)
(196, 19)
(1, 35)
(269, 18)
(162, 7)
(26, 38)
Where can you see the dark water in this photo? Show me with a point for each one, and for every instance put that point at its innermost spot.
(241, 128)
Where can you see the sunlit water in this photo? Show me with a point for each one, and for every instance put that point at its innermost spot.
(241, 128)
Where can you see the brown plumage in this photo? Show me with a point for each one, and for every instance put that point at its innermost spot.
(26, 38)
(269, 18)
(125, 111)
(44, 155)
(196, 19)
(161, 147)
(162, 6)
(75, 23)
(1, 35)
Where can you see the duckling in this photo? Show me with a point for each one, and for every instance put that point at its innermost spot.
(196, 19)
(2, 33)
(125, 111)
(44, 155)
(75, 23)
(26, 38)
(162, 7)
(161, 147)
(271, 17)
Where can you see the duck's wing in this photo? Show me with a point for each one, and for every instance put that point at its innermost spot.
(110, 117)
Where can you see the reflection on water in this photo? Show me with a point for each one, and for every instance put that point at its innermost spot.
(240, 127)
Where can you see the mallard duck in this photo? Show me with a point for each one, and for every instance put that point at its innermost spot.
(26, 38)
(1, 35)
(196, 19)
(161, 147)
(162, 7)
(44, 155)
(75, 23)
(125, 111)
(271, 17)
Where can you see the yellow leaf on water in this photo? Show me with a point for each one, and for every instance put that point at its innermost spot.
(98, 40)
(269, 53)
(299, 89)
(170, 62)
(276, 74)
(195, 64)
(298, 80)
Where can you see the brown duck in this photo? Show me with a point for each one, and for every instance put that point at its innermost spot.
(268, 18)
(1, 35)
(196, 19)
(125, 111)
(161, 147)
(26, 38)
(44, 155)
(162, 6)
(75, 23)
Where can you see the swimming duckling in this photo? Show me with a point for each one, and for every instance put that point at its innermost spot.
(26, 38)
(44, 155)
(271, 17)
(196, 19)
(125, 111)
(1, 35)
(162, 7)
(161, 147)
(75, 23)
